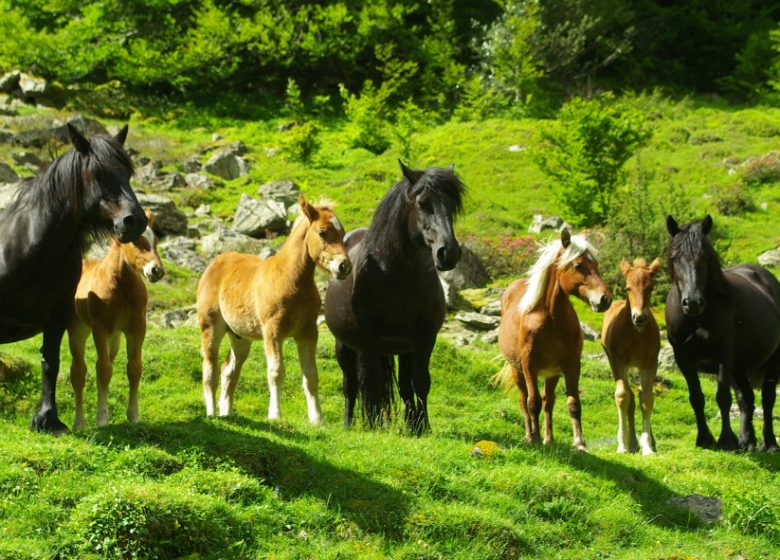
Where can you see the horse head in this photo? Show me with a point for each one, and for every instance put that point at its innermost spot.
(578, 272)
(434, 197)
(142, 253)
(106, 170)
(690, 261)
(639, 287)
(325, 239)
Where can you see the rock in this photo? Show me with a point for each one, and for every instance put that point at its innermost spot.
(226, 164)
(490, 337)
(492, 308)
(541, 223)
(32, 86)
(148, 173)
(224, 239)
(478, 320)
(199, 181)
(284, 191)
(9, 81)
(8, 194)
(770, 258)
(27, 158)
(257, 217)
(7, 174)
(270, 252)
(6, 137)
(708, 510)
(168, 220)
(588, 332)
(58, 130)
(191, 165)
(12, 369)
(666, 360)
(178, 317)
(203, 210)
(470, 272)
(181, 252)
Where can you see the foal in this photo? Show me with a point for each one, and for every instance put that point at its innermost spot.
(111, 300)
(540, 335)
(249, 298)
(630, 338)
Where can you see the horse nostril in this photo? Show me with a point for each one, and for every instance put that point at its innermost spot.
(604, 301)
(441, 254)
(128, 221)
(685, 302)
(343, 268)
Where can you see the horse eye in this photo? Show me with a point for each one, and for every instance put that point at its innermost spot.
(581, 268)
(628, 288)
(425, 206)
(323, 233)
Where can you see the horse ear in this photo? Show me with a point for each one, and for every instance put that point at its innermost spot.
(565, 237)
(671, 226)
(655, 265)
(121, 136)
(624, 266)
(309, 211)
(411, 175)
(149, 217)
(79, 142)
(706, 224)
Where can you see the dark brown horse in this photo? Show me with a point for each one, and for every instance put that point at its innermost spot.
(80, 195)
(393, 303)
(725, 322)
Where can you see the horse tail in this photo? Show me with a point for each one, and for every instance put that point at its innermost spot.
(376, 389)
(504, 378)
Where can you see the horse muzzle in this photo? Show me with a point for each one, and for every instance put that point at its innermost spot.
(639, 320)
(600, 303)
(692, 306)
(446, 257)
(130, 226)
(340, 268)
(153, 272)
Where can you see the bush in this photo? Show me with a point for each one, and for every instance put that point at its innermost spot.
(733, 199)
(367, 125)
(584, 154)
(504, 256)
(762, 169)
(302, 141)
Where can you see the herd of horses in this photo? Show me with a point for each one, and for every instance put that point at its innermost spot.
(384, 299)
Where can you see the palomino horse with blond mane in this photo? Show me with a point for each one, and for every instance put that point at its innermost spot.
(540, 335)
(630, 338)
(111, 300)
(249, 298)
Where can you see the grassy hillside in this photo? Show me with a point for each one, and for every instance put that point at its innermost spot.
(179, 485)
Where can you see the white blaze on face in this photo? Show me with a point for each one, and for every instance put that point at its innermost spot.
(336, 224)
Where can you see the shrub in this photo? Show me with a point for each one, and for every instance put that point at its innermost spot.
(733, 199)
(504, 256)
(302, 141)
(367, 126)
(584, 154)
(762, 169)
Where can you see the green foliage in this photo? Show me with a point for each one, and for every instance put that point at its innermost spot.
(584, 154)
(292, 100)
(367, 126)
(761, 169)
(733, 199)
(302, 141)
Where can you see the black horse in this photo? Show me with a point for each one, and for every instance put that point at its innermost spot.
(80, 195)
(725, 322)
(393, 303)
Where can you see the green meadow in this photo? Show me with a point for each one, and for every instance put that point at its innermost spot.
(179, 485)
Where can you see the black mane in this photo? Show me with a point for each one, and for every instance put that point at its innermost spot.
(63, 186)
(691, 244)
(388, 234)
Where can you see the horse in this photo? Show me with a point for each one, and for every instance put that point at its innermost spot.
(393, 303)
(631, 338)
(111, 300)
(81, 195)
(540, 336)
(249, 298)
(725, 322)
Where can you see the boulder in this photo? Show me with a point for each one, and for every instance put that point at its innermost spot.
(199, 181)
(492, 308)
(181, 252)
(666, 360)
(9, 81)
(185, 316)
(168, 220)
(191, 165)
(224, 239)
(8, 194)
(32, 86)
(284, 191)
(227, 164)
(58, 130)
(478, 320)
(470, 272)
(257, 217)
(541, 223)
(7, 174)
(706, 509)
(589, 332)
(770, 258)
(27, 158)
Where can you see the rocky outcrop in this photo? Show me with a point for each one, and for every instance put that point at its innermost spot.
(7, 174)
(227, 164)
(168, 220)
(256, 218)
(224, 239)
(286, 192)
(470, 272)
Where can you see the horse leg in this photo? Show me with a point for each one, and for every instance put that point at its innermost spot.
(623, 397)
(406, 388)
(231, 371)
(548, 403)
(77, 338)
(103, 370)
(646, 399)
(704, 437)
(134, 341)
(275, 372)
(307, 351)
(746, 400)
(347, 359)
(533, 402)
(45, 418)
(421, 384)
(210, 339)
(571, 376)
(768, 395)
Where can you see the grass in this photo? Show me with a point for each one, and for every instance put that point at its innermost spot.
(180, 485)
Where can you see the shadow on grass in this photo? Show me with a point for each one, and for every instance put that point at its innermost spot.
(289, 470)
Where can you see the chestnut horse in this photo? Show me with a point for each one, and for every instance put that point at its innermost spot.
(630, 338)
(81, 195)
(249, 298)
(540, 335)
(110, 301)
(725, 322)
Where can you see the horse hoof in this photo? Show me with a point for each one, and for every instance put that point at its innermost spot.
(706, 442)
(48, 422)
(580, 447)
(728, 444)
